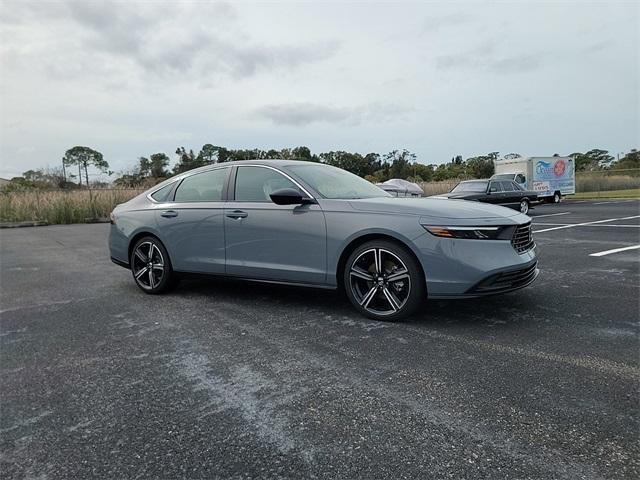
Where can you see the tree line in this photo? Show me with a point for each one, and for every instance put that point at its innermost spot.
(375, 167)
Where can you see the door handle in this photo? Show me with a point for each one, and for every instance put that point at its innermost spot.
(169, 213)
(237, 214)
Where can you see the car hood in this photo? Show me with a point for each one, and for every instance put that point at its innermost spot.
(433, 207)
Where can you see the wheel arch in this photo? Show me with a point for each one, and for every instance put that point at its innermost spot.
(354, 243)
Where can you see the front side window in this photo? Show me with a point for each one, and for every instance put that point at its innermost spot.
(521, 179)
(255, 184)
(335, 183)
(202, 187)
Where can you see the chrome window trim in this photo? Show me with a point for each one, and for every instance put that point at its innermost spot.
(293, 180)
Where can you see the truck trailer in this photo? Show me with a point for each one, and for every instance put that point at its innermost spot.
(551, 177)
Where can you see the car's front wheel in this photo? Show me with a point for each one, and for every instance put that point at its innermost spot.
(383, 281)
(151, 266)
(524, 206)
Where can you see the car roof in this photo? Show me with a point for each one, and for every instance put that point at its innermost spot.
(274, 162)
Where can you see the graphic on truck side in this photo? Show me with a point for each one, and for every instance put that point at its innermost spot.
(554, 175)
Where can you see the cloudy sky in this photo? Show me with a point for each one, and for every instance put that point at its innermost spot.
(438, 78)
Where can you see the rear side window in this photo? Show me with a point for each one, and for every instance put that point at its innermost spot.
(162, 194)
(255, 184)
(202, 187)
(495, 187)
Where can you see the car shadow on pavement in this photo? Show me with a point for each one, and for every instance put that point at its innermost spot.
(490, 311)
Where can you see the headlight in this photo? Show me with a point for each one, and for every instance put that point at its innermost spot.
(472, 233)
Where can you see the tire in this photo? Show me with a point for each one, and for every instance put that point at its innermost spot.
(557, 197)
(524, 206)
(162, 277)
(392, 296)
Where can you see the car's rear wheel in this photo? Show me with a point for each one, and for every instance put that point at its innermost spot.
(524, 206)
(383, 281)
(151, 266)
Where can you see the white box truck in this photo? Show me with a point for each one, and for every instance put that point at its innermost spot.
(551, 177)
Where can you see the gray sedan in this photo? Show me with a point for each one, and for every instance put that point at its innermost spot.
(315, 225)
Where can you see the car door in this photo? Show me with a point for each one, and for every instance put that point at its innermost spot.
(269, 241)
(191, 223)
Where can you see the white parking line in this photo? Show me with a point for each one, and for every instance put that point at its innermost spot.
(585, 223)
(615, 250)
(614, 201)
(550, 215)
(601, 225)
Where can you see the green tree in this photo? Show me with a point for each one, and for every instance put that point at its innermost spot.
(630, 160)
(187, 161)
(400, 163)
(85, 157)
(302, 153)
(481, 166)
(158, 163)
(594, 159)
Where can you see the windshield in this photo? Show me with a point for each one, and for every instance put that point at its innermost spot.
(335, 183)
(470, 187)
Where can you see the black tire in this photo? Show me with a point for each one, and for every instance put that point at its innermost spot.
(524, 206)
(557, 197)
(162, 277)
(401, 286)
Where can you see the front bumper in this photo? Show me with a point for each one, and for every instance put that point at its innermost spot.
(460, 268)
(506, 281)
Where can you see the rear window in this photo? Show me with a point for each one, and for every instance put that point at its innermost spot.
(503, 176)
(470, 187)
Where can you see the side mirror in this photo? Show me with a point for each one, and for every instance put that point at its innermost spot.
(286, 196)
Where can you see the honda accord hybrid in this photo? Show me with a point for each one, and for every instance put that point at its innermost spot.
(310, 224)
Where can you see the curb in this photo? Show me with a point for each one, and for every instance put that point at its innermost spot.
(23, 224)
(44, 224)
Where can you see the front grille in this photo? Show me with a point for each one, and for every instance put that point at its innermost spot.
(522, 239)
(505, 281)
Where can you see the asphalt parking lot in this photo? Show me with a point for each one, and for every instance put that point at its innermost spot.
(232, 379)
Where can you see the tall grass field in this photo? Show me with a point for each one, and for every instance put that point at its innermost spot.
(61, 206)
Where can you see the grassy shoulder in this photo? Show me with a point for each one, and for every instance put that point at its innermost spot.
(629, 193)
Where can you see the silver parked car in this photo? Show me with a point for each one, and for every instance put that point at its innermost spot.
(310, 224)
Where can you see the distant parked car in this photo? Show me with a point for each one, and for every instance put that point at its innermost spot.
(310, 224)
(401, 188)
(499, 192)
